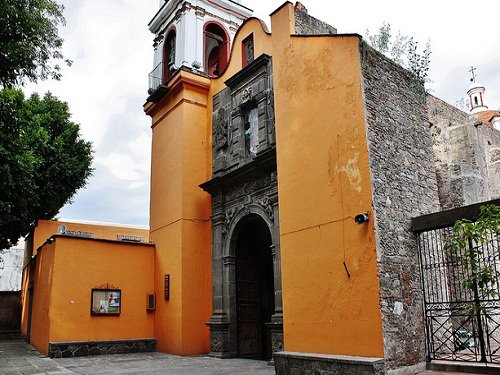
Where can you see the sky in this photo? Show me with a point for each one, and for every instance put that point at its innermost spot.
(111, 48)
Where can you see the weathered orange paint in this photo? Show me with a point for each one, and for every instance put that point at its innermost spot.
(180, 214)
(65, 273)
(323, 182)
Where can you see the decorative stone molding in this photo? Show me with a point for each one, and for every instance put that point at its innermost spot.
(242, 185)
(246, 94)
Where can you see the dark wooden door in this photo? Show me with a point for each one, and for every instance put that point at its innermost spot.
(254, 291)
(249, 306)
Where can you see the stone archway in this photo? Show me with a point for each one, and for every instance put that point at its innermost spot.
(248, 251)
(254, 288)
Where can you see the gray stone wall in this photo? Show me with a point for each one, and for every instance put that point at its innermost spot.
(308, 25)
(492, 144)
(404, 186)
(467, 154)
(289, 363)
(86, 348)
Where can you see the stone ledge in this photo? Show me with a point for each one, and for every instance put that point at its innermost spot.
(292, 363)
(86, 348)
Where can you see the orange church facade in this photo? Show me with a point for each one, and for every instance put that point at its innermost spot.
(279, 227)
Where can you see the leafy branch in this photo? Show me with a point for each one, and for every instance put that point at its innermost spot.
(403, 50)
(466, 241)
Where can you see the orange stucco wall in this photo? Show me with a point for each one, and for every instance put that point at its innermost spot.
(323, 182)
(180, 215)
(42, 298)
(66, 272)
(46, 228)
(262, 45)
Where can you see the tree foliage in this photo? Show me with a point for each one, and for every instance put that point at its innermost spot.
(29, 41)
(403, 50)
(43, 161)
(466, 241)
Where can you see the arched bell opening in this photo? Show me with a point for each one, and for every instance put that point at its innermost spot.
(169, 51)
(216, 42)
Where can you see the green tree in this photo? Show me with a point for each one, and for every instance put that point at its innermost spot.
(43, 161)
(29, 41)
(403, 50)
(466, 241)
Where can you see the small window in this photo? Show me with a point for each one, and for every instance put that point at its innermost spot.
(475, 100)
(251, 132)
(247, 50)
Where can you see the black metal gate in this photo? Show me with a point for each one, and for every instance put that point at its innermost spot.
(462, 319)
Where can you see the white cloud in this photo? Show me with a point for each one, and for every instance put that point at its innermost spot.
(111, 47)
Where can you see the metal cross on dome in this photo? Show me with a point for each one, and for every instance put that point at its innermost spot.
(473, 72)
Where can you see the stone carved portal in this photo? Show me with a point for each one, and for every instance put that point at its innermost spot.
(247, 315)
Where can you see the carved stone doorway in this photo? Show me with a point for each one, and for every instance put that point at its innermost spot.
(254, 288)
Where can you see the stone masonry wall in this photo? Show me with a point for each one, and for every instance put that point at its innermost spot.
(467, 154)
(307, 25)
(86, 348)
(403, 186)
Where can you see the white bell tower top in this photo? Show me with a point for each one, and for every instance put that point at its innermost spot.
(476, 94)
(195, 33)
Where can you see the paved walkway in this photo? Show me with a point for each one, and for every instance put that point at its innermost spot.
(16, 358)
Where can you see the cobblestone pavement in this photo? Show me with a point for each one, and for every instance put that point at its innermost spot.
(17, 358)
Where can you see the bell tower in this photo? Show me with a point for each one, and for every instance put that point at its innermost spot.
(196, 34)
(192, 43)
(476, 94)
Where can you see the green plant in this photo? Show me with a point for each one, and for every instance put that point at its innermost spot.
(30, 45)
(466, 241)
(404, 50)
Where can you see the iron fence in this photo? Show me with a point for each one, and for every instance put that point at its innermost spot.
(462, 310)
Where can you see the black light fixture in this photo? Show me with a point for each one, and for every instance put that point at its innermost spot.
(361, 218)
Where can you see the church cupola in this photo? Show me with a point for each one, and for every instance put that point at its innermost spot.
(476, 94)
(197, 34)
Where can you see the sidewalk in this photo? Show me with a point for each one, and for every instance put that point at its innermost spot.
(17, 357)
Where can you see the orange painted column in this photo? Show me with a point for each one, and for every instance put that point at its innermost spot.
(180, 215)
(329, 263)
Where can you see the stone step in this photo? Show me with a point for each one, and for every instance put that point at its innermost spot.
(451, 367)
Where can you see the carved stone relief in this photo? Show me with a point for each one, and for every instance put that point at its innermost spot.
(221, 130)
(246, 94)
(241, 186)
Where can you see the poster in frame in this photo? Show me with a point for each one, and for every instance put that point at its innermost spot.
(106, 302)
